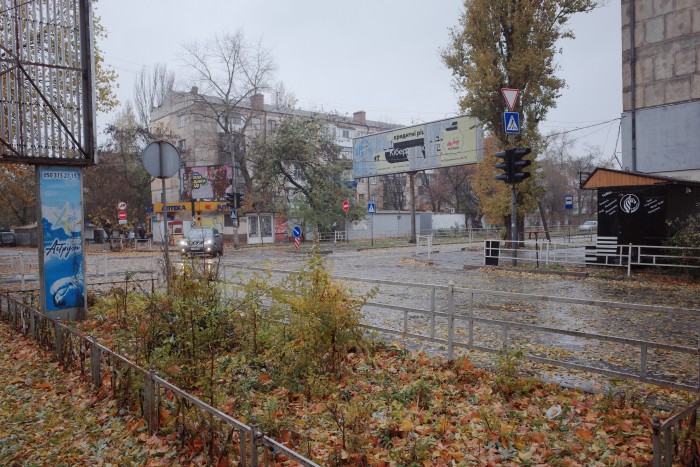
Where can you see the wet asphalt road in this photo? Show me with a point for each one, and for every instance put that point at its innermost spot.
(461, 264)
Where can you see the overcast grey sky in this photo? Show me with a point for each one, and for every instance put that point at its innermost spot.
(381, 56)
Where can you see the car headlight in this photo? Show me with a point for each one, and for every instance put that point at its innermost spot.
(208, 241)
(183, 242)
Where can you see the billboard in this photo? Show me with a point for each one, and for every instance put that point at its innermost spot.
(204, 182)
(61, 239)
(454, 141)
(46, 82)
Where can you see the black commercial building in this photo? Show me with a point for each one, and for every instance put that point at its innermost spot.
(638, 208)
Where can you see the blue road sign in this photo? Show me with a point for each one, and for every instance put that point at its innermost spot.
(234, 214)
(511, 122)
(569, 202)
(297, 232)
(371, 208)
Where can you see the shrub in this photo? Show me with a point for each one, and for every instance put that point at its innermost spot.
(323, 322)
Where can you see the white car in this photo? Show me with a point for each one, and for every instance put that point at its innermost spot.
(588, 226)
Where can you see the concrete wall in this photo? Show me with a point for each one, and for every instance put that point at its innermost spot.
(668, 140)
(27, 235)
(661, 82)
(398, 224)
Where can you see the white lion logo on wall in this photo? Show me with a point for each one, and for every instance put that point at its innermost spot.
(629, 203)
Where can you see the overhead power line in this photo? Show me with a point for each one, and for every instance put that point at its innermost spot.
(583, 127)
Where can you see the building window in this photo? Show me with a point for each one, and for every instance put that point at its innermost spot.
(346, 133)
(236, 122)
(181, 121)
(372, 180)
(256, 124)
(182, 145)
(271, 125)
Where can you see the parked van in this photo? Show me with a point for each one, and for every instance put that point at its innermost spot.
(8, 239)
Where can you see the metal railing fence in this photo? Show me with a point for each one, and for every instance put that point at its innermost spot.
(578, 254)
(454, 316)
(164, 406)
(677, 438)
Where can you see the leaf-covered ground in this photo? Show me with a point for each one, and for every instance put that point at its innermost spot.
(399, 409)
(393, 408)
(50, 417)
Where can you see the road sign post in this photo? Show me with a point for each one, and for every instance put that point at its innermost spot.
(297, 234)
(346, 208)
(371, 209)
(569, 205)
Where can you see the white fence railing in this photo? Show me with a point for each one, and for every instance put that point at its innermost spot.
(504, 252)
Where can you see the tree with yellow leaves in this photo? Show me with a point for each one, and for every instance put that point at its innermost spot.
(509, 44)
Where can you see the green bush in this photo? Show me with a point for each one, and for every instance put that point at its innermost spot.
(686, 233)
(322, 322)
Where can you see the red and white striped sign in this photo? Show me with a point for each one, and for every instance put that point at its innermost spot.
(296, 243)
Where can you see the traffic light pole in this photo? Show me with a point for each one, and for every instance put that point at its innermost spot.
(512, 167)
(235, 221)
(513, 204)
(514, 224)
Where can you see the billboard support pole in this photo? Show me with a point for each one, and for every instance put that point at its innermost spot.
(411, 185)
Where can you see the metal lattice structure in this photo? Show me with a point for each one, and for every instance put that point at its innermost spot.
(46, 82)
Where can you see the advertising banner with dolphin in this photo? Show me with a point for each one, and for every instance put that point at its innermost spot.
(61, 242)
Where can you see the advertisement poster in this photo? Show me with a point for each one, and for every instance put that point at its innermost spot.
(212, 222)
(445, 143)
(61, 235)
(205, 182)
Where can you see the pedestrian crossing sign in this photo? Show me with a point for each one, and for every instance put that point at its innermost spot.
(511, 122)
(371, 208)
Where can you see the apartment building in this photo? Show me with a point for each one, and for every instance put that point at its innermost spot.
(198, 127)
(660, 181)
(661, 87)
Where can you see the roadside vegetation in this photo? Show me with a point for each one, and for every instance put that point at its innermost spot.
(291, 355)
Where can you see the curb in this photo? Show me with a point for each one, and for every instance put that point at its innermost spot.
(533, 271)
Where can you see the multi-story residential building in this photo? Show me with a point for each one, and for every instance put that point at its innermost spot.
(207, 135)
(661, 87)
(660, 183)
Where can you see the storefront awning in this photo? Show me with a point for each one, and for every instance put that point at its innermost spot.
(606, 178)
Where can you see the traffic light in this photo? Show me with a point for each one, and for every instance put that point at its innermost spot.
(518, 175)
(506, 166)
(235, 200)
(231, 200)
